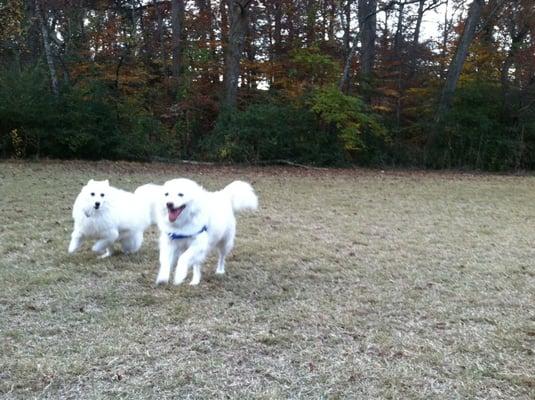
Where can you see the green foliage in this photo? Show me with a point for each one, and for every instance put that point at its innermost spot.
(321, 126)
(477, 134)
(272, 131)
(141, 135)
(26, 109)
(86, 122)
(11, 25)
(348, 114)
(193, 120)
(311, 66)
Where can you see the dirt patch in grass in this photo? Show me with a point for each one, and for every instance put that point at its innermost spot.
(345, 284)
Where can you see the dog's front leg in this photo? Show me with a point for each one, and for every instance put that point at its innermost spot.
(103, 245)
(194, 255)
(181, 268)
(76, 241)
(168, 258)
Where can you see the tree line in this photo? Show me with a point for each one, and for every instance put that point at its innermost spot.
(327, 82)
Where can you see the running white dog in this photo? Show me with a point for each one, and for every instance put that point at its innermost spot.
(109, 214)
(193, 222)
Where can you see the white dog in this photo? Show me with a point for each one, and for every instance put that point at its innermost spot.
(193, 222)
(150, 194)
(109, 214)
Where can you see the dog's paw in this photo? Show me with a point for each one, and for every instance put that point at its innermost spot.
(74, 245)
(107, 253)
(177, 282)
(179, 279)
(180, 275)
(161, 280)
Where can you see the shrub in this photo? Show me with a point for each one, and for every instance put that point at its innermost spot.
(477, 134)
(272, 131)
(356, 128)
(82, 122)
(26, 110)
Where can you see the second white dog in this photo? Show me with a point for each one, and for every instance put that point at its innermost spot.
(193, 222)
(108, 214)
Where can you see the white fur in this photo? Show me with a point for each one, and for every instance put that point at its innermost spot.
(215, 210)
(120, 215)
(150, 194)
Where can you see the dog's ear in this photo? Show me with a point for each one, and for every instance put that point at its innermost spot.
(90, 181)
(107, 182)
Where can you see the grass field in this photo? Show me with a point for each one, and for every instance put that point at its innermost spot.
(344, 284)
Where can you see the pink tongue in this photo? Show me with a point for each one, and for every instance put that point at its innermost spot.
(174, 213)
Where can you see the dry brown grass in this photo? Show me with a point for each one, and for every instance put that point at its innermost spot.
(345, 284)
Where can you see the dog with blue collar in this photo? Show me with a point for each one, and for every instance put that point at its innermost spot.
(193, 222)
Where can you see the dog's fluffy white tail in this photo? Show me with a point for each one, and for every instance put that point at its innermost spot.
(242, 196)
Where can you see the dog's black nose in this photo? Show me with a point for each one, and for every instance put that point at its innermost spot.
(97, 204)
(170, 205)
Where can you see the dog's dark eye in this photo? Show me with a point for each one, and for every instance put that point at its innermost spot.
(102, 195)
(167, 194)
(92, 193)
(180, 194)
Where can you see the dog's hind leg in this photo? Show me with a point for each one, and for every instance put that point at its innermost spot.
(132, 242)
(104, 245)
(224, 248)
(196, 275)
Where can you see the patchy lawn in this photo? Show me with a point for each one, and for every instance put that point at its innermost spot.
(345, 284)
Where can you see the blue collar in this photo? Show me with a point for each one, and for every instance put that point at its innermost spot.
(178, 236)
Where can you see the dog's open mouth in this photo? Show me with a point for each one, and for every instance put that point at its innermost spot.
(174, 213)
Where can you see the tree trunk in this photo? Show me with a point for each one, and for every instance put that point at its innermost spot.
(455, 69)
(363, 20)
(161, 39)
(345, 16)
(344, 81)
(177, 18)
(48, 50)
(332, 22)
(277, 35)
(456, 65)
(366, 34)
(445, 37)
(398, 43)
(368, 27)
(398, 38)
(516, 42)
(224, 21)
(207, 39)
(311, 22)
(416, 40)
(214, 74)
(239, 18)
(32, 38)
(211, 32)
(292, 24)
(250, 51)
(205, 22)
